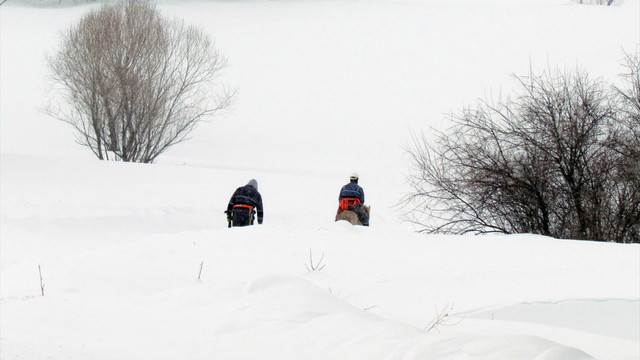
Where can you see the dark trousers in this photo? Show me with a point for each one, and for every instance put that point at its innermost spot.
(242, 216)
(362, 216)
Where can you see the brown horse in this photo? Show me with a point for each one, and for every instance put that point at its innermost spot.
(351, 216)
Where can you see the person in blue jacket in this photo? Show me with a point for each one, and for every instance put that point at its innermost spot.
(352, 198)
(244, 203)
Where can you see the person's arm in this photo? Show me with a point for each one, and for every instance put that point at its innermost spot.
(231, 202)
(260, 210)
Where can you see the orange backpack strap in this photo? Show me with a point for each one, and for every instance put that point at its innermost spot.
(347, 203)
(244, 206)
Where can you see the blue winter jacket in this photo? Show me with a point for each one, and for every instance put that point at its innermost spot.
(352, 190)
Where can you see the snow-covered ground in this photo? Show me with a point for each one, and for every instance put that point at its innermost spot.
(325, 88)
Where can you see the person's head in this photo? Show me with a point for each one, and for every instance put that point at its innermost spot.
(354, 177)
(253, 183)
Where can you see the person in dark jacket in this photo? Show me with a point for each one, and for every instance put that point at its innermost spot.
(244, 203)
(352, 198)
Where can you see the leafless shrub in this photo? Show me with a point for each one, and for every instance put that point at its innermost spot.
(133, 83)
(555, 161)
(317, 266)
(442, 318)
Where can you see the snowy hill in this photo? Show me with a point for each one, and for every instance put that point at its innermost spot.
(325, 88)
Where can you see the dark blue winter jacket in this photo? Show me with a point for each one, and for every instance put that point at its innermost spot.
(352, 190)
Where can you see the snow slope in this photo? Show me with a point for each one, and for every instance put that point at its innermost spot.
(137, 262)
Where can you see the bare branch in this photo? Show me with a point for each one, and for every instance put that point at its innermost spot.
(442, 318)
(41, 282)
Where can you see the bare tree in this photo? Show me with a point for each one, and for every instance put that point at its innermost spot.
(133, 83)
(630, 95)
(626, 144)
(597, 2)
(548, 162)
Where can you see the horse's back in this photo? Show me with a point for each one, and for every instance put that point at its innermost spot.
(352, 216)
(349, 216)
